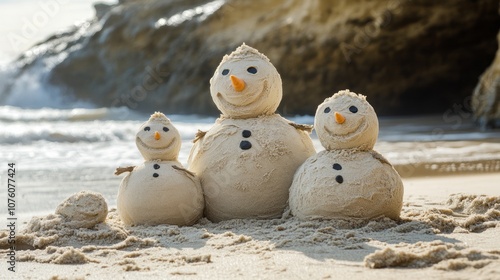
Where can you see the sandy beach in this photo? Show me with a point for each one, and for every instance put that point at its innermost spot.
(449, 229)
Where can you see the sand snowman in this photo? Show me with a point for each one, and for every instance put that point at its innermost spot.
(246, 161)
(349, 179)
(160, 191)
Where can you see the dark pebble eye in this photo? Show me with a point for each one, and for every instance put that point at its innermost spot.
(225, 72)
(147, 128)
(339, 179)
(337, 166)
(327, 110)
(353, 109)
(252, 70)
(165, 129)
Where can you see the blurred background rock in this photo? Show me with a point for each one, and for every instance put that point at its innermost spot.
(408, 57)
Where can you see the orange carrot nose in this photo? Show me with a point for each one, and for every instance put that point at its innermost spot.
(157, 135)
(339, 118)
(238, 83)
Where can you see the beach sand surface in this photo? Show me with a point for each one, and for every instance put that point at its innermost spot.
(449, 229)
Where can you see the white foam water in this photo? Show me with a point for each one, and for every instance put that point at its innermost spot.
(80, 137)
(92, 137)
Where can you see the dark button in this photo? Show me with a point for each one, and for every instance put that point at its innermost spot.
(339, 179)
(246, 133)
(337, 166)
(245, 145)
(155, 175)
(157, 166)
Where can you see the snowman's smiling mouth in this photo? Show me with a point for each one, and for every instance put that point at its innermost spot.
(144, 145)
(357, 131)
(253, 98)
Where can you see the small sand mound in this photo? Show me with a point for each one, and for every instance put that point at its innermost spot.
(54, 230)
(473, 204)
(425, 254)
(83, 210)
(473, 213)
(58, 255)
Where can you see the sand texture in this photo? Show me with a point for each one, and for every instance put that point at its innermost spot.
(440, 236)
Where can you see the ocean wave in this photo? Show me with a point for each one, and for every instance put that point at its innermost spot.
(28, 87)
(19, 133)
(89, 125)
(16, 114)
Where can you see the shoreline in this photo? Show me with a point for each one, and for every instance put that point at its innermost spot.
(450, 168)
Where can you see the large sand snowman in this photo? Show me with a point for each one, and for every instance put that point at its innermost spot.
(159, 191)
(246, 161)
(349, 179)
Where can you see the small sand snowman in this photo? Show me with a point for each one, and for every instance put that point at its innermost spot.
(349, 179)
(246, 161)
(160, 191)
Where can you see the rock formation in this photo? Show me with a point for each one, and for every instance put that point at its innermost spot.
(410, 56)
(486, 97)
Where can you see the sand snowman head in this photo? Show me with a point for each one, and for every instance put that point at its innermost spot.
(345, 121)
(158, 139)
(246, 84)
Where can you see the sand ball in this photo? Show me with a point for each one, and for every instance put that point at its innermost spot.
(83, 210)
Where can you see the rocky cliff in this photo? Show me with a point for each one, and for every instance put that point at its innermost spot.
(486, 97)
(409, 57)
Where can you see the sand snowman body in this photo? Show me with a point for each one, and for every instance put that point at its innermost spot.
(246, 161)
(344, 184)
(159, 191)
(171, 197)
(246, 165)
(349, 179)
